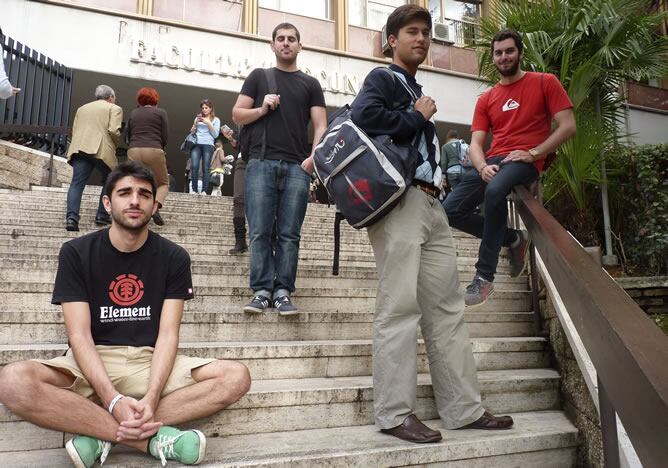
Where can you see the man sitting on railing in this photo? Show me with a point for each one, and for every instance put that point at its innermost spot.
(519, 112)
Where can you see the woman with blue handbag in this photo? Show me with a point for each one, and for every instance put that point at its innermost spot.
(206, 128)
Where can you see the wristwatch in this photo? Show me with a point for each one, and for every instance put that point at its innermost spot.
(534, 153)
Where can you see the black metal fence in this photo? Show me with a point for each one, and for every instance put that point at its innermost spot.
(41, 111)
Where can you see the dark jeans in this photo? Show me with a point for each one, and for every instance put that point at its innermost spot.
(454, 178)
(82, 167)
(238, 210)
(471, 192)
(200, 154)
(275, 190)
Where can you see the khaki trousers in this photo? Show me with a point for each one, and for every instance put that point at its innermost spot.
(418, 283)
(156, 160)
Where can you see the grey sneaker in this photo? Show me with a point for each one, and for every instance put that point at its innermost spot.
(257, 305)
(478, 291)
(518, 255)
(284, 306)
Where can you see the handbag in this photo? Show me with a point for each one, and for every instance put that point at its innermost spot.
(189, 142)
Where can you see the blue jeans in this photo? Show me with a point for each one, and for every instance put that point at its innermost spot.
(200, 153)
(492, 228)
(275, 190)
(82, 167)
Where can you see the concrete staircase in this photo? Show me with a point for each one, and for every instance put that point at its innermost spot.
(311, 399)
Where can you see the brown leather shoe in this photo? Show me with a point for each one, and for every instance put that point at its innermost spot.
(413, 430)
(490, 422)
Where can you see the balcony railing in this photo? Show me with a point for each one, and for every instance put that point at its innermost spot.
(461, 33)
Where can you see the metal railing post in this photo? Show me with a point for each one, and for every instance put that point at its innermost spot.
(608, 428)
(51, 151)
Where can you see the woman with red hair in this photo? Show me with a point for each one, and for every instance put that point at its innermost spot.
(147, 136)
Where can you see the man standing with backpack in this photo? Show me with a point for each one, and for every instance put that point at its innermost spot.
(415, 256)
(276, 105)
(518, 111)
(454, 158)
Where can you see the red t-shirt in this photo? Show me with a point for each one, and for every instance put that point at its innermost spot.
(516, 113)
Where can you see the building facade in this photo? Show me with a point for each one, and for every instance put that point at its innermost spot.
(192, 49)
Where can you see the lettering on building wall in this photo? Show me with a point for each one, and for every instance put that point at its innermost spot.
(223, 64)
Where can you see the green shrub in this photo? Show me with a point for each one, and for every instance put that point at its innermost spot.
(638, 182)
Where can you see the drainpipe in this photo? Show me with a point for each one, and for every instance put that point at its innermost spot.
(609, 258)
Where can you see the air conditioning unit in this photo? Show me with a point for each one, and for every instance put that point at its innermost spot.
(441, 33)
(384, 45)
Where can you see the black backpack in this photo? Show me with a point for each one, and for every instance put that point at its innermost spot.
(365, 176)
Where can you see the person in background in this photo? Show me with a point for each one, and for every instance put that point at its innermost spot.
(147, 132)
(207, 128)
(220, 167)
(238, 185)
(96, 132)
(454, 159)
(6, 88)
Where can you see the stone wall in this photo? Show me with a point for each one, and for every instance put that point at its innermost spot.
(651, 294)
(574, 394)
(21, 167)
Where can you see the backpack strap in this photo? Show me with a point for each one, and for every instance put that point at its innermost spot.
(271, 89)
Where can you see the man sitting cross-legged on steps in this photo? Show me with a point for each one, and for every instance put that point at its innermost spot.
(122, 291)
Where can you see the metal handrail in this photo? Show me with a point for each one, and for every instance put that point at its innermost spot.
(629, 352)
(43, 105)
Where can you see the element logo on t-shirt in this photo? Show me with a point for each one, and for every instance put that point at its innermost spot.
(126, 290)
(510, 104)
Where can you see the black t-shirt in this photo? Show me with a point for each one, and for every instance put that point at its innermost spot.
(299, 92)
(125, 291)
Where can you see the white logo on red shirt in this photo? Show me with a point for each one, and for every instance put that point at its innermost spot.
(510, 104)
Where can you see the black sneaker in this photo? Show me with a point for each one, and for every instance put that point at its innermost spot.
(103, 221)
(284, 306)
(518, 255)
(71, 225)
(478, 291)
(157, 219)
(257, 305)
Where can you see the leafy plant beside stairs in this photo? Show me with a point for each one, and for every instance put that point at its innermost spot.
(639, 207)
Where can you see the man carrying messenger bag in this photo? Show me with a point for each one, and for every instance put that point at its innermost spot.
(415, 255)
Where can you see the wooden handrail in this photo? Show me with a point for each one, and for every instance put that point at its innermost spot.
(629, 351)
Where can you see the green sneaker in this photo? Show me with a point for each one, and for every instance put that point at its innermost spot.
(186, 447)
(85, 451)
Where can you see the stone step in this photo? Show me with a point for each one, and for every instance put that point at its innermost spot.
(326, 358)
(206, 245)
(184, 231)
(208, 275)
(314, 299)
(311, 259)
(230, 324)
(205, 273)
(318, 403)
(545, 439)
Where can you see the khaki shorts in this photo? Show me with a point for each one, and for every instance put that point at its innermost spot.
(129, 369)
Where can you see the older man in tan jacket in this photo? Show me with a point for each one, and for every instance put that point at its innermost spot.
(95, 134)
